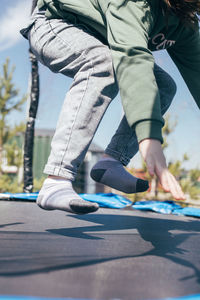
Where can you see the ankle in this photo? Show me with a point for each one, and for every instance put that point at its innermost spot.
(56, 177)
(51, 179)
(106, 156)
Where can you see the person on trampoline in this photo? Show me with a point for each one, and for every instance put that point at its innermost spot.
(106, 46)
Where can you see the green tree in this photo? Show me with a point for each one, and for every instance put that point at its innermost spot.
(194, 175)
(14, 154)
(176, 167)
(168, 128)
(9, 101)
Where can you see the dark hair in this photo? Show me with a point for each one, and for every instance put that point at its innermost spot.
(187, 10)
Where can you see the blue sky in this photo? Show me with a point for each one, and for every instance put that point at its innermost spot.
(185, 138)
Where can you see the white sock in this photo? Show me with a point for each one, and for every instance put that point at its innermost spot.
(58, 193)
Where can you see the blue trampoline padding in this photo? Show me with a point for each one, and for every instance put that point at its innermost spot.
(188, 211)
(107, 200)
(110, 200)
(167, 207)
(36, 298)
(164, 207)
(104, 200)
(19, 196)
(191, 297)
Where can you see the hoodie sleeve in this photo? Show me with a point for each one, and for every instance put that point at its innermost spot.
(128, 24)
(186, 55)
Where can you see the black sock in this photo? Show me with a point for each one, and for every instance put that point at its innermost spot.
(111, 172)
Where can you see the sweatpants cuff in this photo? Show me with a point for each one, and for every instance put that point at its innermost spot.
(118, 156)
(58, 171)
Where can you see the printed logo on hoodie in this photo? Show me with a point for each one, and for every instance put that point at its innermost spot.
(160, 42)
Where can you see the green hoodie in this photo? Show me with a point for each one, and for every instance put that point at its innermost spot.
(133, 29)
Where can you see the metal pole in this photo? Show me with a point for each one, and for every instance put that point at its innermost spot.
(30, 125)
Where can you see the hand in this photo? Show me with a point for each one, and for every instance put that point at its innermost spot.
(152, 154)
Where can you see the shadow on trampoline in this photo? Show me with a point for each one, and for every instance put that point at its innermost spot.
(176, 241)
(156, 231)
(10, 224)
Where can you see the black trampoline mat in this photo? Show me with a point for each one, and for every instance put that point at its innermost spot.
(110, 254)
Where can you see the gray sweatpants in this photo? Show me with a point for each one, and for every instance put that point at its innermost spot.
(73, 50)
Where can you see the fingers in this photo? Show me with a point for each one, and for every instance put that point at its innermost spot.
(167, 180)
(170, 184)
(175, 189)
(152, 153)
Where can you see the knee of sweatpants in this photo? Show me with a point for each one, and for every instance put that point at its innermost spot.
(172, 87)
(167, 93)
